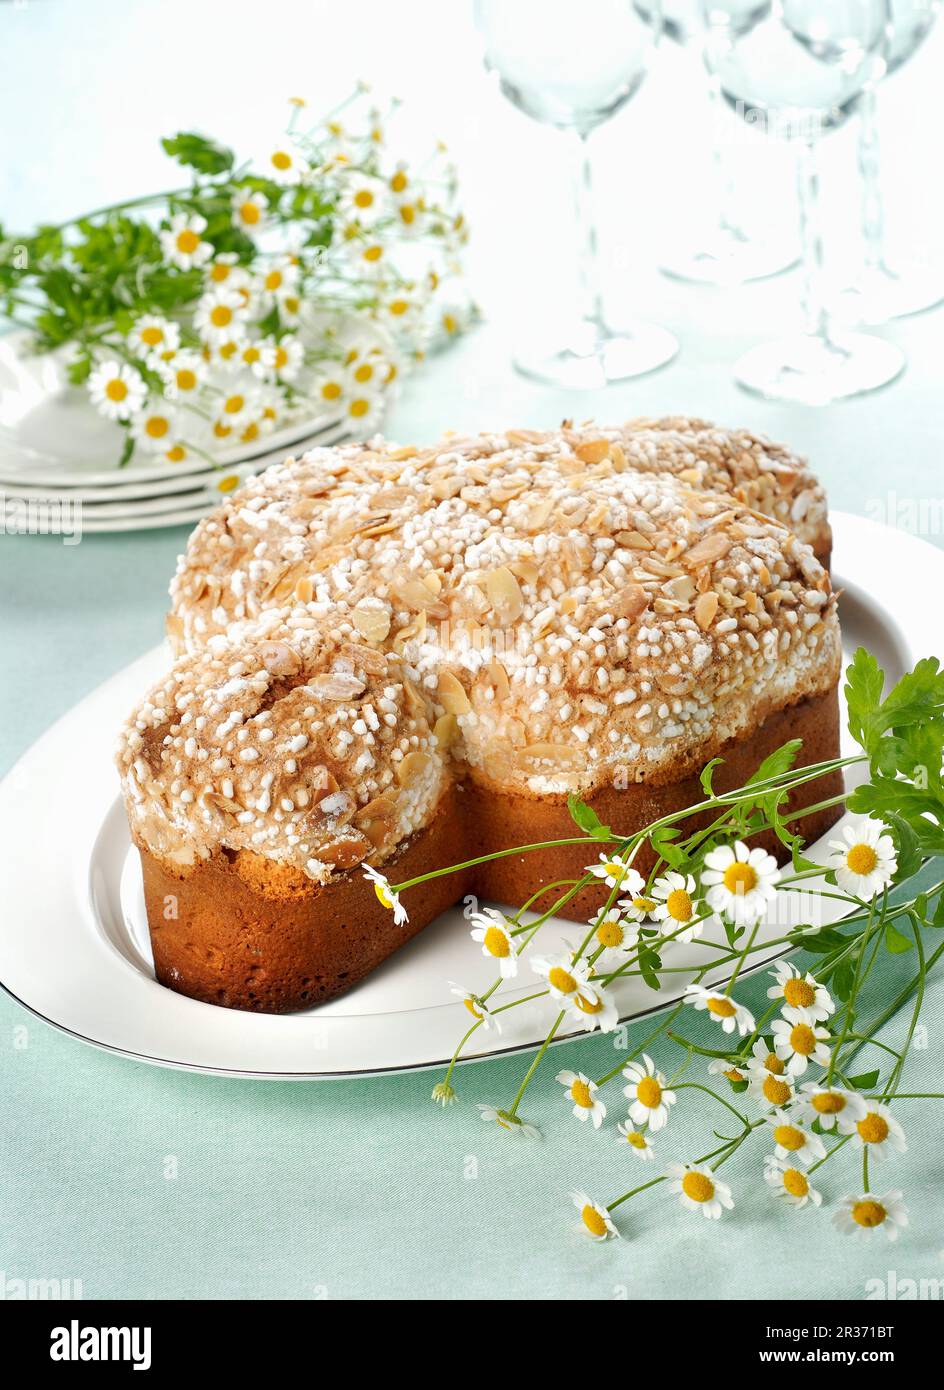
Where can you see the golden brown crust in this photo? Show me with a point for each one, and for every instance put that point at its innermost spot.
(242, 931)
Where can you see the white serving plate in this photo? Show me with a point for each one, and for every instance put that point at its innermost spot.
(51, 436)
(74, 942)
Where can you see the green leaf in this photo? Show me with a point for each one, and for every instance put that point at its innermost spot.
(706, 775)
(865, 1081)
(895, 943)
(818, 943)
(865, 681)
(661, 841)
(587, 819)
(908, 854)
(198, 152)
(776, 763)
(649, 962)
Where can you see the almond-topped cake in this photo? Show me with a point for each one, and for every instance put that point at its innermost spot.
(402, 658)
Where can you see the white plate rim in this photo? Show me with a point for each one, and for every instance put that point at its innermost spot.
(909, 562)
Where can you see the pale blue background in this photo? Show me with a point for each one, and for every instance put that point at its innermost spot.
(363, 1189)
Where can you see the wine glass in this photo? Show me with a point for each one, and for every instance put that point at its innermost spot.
(884, 291)
(573, 65)
(721, 251)
(798, 70)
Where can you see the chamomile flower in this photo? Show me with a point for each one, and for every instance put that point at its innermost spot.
(595, 1221)
(363, 410)
(117, 390)
(249, 211)
(722, 1008)
(153, 427)
(364, 199)
(277, 279)
(236, 408)
(385, 894)
(792, 1141)
(220, 316)
(859, 1216)
(741, 881)
(582, 1091)
(790, 1183)
(283, 359)
(184, 375)
(731, 1071)
(699, 1190)
(564, 979)
(637, 1140)
(443, 1094)
(649, 1100)
(800, 1043)
(368, 256)
(330, 386)
(286, 164)
(864, 859)
(593, 1007)
(154, 339)
(616, 936)
(492, 932)
(773, 1090)
(875, 1129)
(615, 873)
(805, 999)
(289, 304)
(638, 907)
(509, 1123)
(817, 1101)
(476, 1008)
(182, 242)
(676, 908)
(226, 270)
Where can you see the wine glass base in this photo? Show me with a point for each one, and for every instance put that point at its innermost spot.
(728, 259)
(815, 371)
(597, 356)
(886, 293)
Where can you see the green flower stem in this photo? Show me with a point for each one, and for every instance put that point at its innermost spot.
(741, 959)
(826, 1157)
(631, 1056)
(487, 858)
(850, 1002)
(893, 1080)
(535, 1064)
(893, 1007)
(697, 1086)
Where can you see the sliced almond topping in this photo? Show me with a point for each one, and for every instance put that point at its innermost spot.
(634, 540)
(280, 659)
(539, 514)
(499, 679)
(706, 551)
(304, 589)
(338, 685)
(372, 623)
(706, 606)
(526, 570)
(413, 593)
(504, 594)
(446, 730)
(452, 694)
(618, 458)
(406, 634)
(593, 451)
(413, 766)
(632, 601)
(681, 588)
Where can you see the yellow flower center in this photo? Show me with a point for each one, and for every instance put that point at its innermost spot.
(251, 354)
(734, 1075)
(610, 934)
(156, 426)
(187, 242)
(868, 1213)
(273, 280)
(227, 351)
(186, 379)
(221, 315)
(250, 213)
(359, 407)
(721, 1007)
(795, 1182)
(635, 1139)
(828, 1103)
(331, 390)
(580, 1092)
(229, 484)
(873, 1129)
(282, 160)
(789, 1137)
(861, 859)
(373, 253)
(176, 453)
(800, 994)
(496, 942)
(740, 878)
(561, 980)
(399, 181)
(470, 1005)
(364, 372)
(291, 304)
(152, 336)
(593, 1221)
(649, 1092)
(803, 1040)
(399, 306)
(643, 904)
(407, 213)
(449, 323)
(772, 1063)
(250, 433)
(221, 431)
(220, 272)
(383, 894)
(116, 390)
(777, 1092)
(698, 1187)
(679, 905)
(363, 198)
(281, 358)
(234, 404)
(589, 1006)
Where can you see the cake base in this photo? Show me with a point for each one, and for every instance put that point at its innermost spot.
(243, 932)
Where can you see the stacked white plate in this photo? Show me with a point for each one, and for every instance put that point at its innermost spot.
(56, 451)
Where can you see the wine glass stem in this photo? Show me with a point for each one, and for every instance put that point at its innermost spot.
(817, 321)
(591, 298)
(873, 211)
